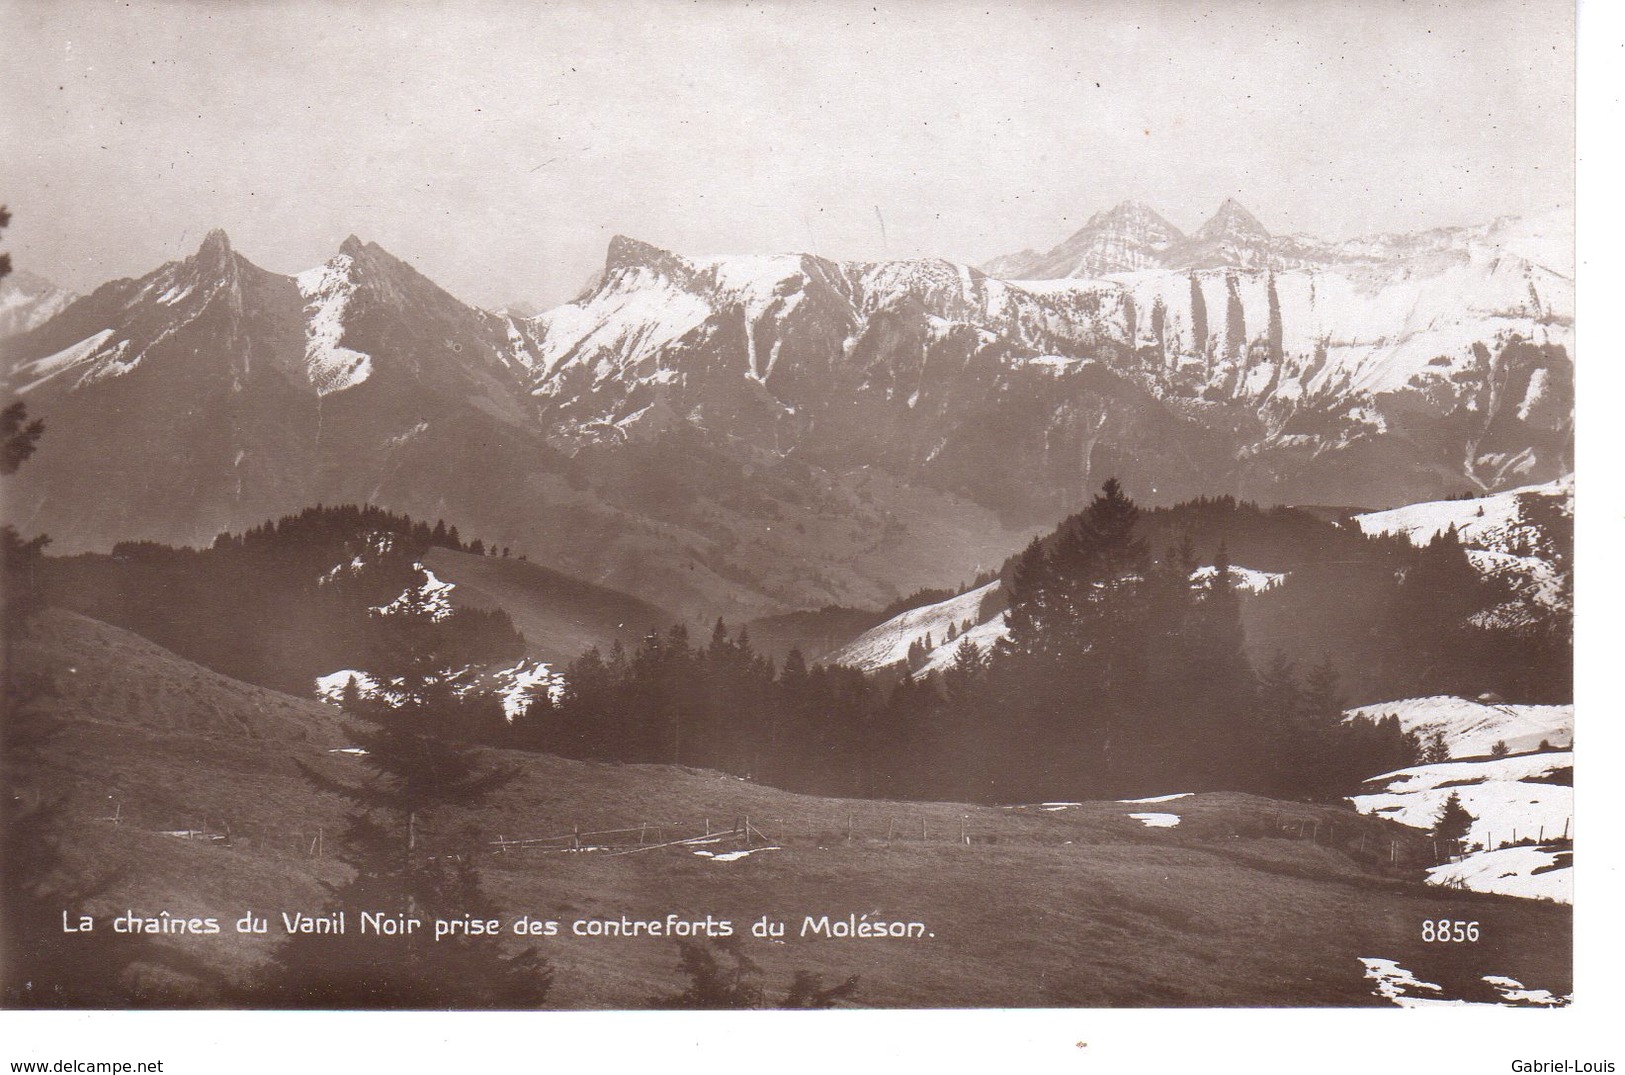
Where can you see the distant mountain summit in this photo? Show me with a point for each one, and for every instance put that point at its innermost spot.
(1124, 238)
(27, 300)
(1231, 238)
(1231, 223)
(1131, 237)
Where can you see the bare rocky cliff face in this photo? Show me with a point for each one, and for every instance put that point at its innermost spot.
(747, 435)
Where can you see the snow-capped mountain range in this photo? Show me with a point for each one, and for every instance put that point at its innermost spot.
(1132, 236)
(752, 434)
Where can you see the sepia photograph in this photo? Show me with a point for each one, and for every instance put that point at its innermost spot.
(633, 506)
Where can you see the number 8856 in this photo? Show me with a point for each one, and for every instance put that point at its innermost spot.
(1449, 931)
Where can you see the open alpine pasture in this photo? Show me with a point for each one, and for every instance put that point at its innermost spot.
(188, 792)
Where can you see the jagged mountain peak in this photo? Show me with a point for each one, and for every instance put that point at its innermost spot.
(1232, 221)
(215, 243)
(627, 253)
(1128, 236)
(386, 277)
(372, 255)
(215, 256)
(1134, 214)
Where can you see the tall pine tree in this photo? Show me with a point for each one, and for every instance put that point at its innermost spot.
(417, 772)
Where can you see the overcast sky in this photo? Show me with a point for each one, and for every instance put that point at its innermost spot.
(499, 146)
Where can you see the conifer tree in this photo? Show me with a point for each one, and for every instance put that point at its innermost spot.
(1452, 823)
(417, 773)
(41, 965)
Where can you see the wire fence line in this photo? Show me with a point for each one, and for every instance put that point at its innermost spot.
(1367, 839)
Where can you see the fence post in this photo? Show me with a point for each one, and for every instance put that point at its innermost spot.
(643, 827)
(849, 826)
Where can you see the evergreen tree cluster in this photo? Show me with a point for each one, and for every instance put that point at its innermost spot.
(1396, 620)
(718, 706)
(1120, 676)
(278, 604)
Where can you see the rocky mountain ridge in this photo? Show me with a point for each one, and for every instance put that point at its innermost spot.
(748, 435)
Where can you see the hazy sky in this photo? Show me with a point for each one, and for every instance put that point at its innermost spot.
(498, 146)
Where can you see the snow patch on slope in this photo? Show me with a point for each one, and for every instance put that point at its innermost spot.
(330, 688)
(984, 636)
(888, 643)
(1506, 796)
(1506, 537)
(1153, 800)
(434, 595)
(517, 685)
(1242, 578)
(1531, 872)
(374, 546)
(1493, 522)
(1471, 727)
(513, 687)
(327, 290)
(43, 369)
(733, 856)
(622, 328)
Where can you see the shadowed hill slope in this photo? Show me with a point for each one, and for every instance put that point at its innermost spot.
(559, 616)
